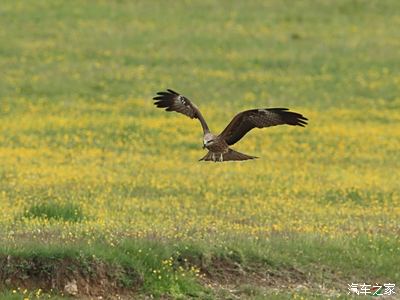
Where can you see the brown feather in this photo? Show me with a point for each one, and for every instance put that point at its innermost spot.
(247, 120)
(228, 156)
(173, 101)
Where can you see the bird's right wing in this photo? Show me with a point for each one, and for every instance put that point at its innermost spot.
(174, 101)
(245, 121)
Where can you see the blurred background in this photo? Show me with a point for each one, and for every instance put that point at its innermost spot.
(309, 53)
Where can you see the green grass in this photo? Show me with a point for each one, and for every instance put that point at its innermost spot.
(107, 50)
(294, 260)
(50, 210)
(19, 295)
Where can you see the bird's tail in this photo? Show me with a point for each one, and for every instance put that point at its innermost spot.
(230, 155)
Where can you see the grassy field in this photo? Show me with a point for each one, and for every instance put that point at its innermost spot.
(101, 190)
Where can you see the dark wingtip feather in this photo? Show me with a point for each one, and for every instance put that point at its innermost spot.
(164, 99)
(278, 109)
(291, 118)
(299, 121)
(172, 91)
(163, 93)
(162, 104)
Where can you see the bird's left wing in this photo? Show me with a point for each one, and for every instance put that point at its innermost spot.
(244, 121)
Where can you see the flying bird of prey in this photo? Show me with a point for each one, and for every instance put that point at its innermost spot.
(218, 145)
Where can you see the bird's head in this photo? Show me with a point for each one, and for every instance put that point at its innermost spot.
(208, 140)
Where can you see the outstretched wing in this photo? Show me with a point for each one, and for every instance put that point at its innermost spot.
(174, 101)
(247, 120)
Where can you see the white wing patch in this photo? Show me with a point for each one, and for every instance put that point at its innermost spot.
(182, 99)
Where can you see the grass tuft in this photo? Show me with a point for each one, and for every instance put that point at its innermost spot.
(50, 210)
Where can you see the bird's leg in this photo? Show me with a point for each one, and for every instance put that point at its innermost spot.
(221, 157)
(213, 157)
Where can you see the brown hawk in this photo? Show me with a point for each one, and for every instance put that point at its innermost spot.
(218, 145)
